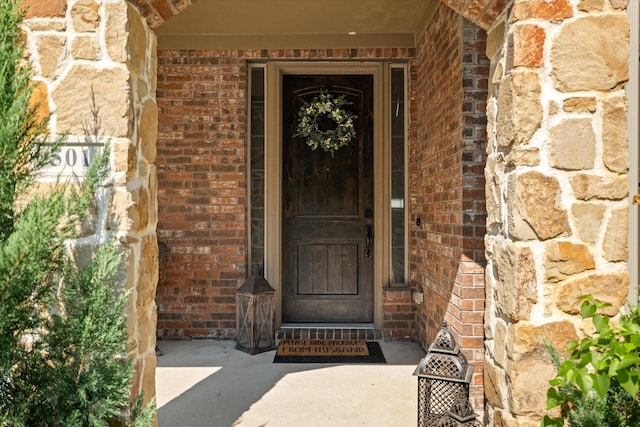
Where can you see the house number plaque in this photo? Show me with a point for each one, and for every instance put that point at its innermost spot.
(71, 160)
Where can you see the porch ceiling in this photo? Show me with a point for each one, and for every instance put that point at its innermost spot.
(296, 24)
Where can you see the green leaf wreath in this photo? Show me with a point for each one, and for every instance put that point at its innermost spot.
(326, 111)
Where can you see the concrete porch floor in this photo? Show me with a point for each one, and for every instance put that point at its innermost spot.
(208, 383)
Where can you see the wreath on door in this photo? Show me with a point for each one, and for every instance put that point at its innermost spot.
(325, 123)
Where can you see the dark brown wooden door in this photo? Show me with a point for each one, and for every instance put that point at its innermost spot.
(327, 237)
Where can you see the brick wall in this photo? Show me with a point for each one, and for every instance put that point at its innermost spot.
(447, 185)
(202, 187)
(201, 191)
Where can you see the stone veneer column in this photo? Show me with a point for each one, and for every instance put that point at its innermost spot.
(78, 46)
(556, 189)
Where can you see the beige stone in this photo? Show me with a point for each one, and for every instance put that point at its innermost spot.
(516, 281)
(591, 5)
(526, 338)
(89, 221)
(137, 42)
(50, 24)
(85, 47)
(528, 381)
(491, 134)
(148, 267)
(149, 377)
(494, 171)
(124, 277)
(137, 376)
(142, 88)
(152, 185)
(619, 4)
(535, 211)
(528, 45)
(132, 326)
(83, 253)
(615, 245)
(139, 210)
(563, 259)
(601, 186)
(149, 130)
(601, 63)
(85, 16)
(523, 155)
(588, 220)
(550, 10)
(500, 343)
(498, 74)
(118, 212)
(144, 332)
(495, 39)
(125, 156)
(519, 109)
(111, 88)
(50, 49)
(572, 144)
(608, 287)
(40, 100)
(116, 33)
(614, 134)
(530, 368)
(579, 104)
(495, 386)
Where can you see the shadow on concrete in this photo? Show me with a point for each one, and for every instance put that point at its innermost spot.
(210, 383)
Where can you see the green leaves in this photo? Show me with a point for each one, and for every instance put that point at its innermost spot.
(552, 422)
(597, 366)
(63, 332)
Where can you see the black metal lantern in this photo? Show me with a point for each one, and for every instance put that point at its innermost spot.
(255, 314)
(461, 415)
(443, 376)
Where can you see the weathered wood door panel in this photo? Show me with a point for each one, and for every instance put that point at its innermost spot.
(327, 209)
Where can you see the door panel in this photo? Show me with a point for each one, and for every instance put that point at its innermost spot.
(327, 207)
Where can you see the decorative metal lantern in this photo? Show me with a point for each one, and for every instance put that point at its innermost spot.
(443, 376)
(255, 314)
(461, 415)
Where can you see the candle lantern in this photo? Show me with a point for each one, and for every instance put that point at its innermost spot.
(443, 375)
(461, 415)
(255, 314)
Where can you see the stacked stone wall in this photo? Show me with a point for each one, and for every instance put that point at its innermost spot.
(202, 196)
(447, 185)
(80, 47)
(556, 189)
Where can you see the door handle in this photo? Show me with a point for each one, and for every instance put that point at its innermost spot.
(368, 234)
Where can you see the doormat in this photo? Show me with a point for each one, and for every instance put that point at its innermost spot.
(328, 351)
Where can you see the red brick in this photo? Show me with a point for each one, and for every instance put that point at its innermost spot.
(446, 167)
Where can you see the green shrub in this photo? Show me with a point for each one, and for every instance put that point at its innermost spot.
(598, 384)
(63, 332)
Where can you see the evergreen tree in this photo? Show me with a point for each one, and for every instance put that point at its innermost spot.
(63, 334)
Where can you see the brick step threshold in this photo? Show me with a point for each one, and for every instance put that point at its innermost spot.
(334, 332)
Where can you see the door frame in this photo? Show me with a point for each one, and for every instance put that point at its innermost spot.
(633, 129)
(273, 172)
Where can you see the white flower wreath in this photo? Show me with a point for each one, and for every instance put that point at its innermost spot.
(312, 115)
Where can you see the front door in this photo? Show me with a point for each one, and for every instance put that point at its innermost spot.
(327, 224)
